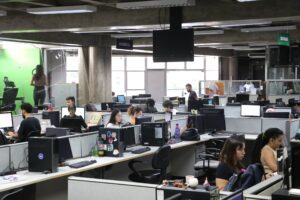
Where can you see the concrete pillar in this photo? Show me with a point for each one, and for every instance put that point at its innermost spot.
(100, 71)
(83, 97)
(233, 68)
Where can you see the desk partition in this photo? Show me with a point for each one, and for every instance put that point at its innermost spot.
(182, 122)
(88, 141)
(5, 160)
(244, 124)
(19, 155)
(87, 188)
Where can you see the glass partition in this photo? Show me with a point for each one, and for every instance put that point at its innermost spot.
(283, 87)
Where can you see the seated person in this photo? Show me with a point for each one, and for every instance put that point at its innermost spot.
(72, 110)
(231, 155)
(90, 107)
(150, 106)
(115, 120)
(134, 112)
(30, 126)
(265, 150)
(169, 107)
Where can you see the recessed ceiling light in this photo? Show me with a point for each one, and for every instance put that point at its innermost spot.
(242, 1)
(62, 10)
(155, 4)
(269, 28)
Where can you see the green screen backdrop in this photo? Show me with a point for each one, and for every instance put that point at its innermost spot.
(17, 64)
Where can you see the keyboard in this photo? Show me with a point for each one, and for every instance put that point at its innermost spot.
(139, 150)
(82, 164)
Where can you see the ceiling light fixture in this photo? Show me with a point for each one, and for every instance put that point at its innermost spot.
(62, 10)
(132, 35)
(243, 1)
(269, 28)
(209, 32)
(155, 4)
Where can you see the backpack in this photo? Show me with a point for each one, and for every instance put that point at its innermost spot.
(244, 180)
(190, 134)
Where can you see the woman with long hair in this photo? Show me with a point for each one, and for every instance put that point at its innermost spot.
(39, 81)
(134, 112)
(115, 120)
(231, 155)
(265, 149)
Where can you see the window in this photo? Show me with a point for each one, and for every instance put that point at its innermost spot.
(72, 68)
(136, 63)
(212, 68)
(197, 64)
(153, 65)
(135, 80)
(175, 65)
(118, 82)
(118, 63)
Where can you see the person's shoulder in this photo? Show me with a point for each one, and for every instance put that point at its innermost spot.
(223, 165)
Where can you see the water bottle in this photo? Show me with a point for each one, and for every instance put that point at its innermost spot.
(177, 133)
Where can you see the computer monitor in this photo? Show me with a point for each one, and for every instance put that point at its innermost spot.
(242, 98)
(6, 120)
(250, 110)
(213, 120)
(80, 111)
(145, 95)
(74, 124)
(283, 115)
(53, 116)
(143, 119)
(237, 195)
(125, 134)
(121, 99)
(154, 134)
(195, 105)
(262, 103)
(122, 107)
(107, 105)
(295, 155)
(64, 149)
(231, 99)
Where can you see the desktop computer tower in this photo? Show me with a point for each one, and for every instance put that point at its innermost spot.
(42, 154)
(154, 134)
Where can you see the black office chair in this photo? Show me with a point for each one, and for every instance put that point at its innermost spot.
(9, 98)
(208, 161)
(160, 162)
(14, 195)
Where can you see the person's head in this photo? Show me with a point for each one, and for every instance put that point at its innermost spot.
(150, 103)
(273, 137)
(39, 71)
(168, 106)
(26, 109)
(134, 111)
(233, 151)
(188, 87)
(72, 110)
(113, 94)
(115, 117)
(70, 101)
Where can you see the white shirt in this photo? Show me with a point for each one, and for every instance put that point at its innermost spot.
(248, 87)
(111, 125)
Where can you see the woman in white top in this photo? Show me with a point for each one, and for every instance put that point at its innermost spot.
(115, 120)
(265, 149)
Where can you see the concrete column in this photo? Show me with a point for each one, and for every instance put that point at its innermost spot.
(233, 68)
(100, 71)
(83, 97)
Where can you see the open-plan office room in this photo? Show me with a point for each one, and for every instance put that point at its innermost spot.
(149, 99)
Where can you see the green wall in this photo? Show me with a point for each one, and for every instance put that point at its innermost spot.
(17, 64)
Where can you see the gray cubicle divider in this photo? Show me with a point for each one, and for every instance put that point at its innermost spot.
(88, 141)
(137, 134)
(88, 188)
(75, 144)
(293, 126)
(267, 123)
(19, 155)
(264, 189)
(244, 124)
(231, 111)
(5, 159)
(182, 122)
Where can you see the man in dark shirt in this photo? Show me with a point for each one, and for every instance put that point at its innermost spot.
(30, 126)
(193, 94)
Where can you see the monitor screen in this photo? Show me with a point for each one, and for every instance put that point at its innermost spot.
(242, 98)
(143, 119)
(250, 110)
(80, 111)
(283, 115)
(121, 99)
(6, 120)
(213, 119)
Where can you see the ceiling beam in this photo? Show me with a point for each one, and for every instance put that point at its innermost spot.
(98, 3)
(205, 13)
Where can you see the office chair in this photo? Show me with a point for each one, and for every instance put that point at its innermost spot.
(15, 195)
(160, 162)
(9, 98)
(208, 161)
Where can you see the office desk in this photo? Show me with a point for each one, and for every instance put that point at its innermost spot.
(29, 178)
(284, 194)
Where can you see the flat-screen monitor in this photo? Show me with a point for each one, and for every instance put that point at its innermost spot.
(53, 116)
(122, 107)
(6, 120)
(262, 103)
(143, 119)
(121, 99)
(80, 111)
(125, 134)
(74, 124)
(213, 120)
(295, 151)
(250, 110)
(284, 115)
(107, 105)
(173, 45)
(242, 98)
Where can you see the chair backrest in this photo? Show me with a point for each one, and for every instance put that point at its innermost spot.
(9, 96)
(15, 195)
(161, 158)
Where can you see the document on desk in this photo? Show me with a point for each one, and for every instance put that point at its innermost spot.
(11, 178)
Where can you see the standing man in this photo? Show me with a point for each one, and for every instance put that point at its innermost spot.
(70, 101)
(193, 94)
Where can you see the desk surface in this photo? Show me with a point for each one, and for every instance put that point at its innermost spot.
(28, 178)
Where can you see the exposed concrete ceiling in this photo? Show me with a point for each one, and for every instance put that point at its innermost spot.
(227, 15)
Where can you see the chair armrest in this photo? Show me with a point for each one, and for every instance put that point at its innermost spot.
(205, 156)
